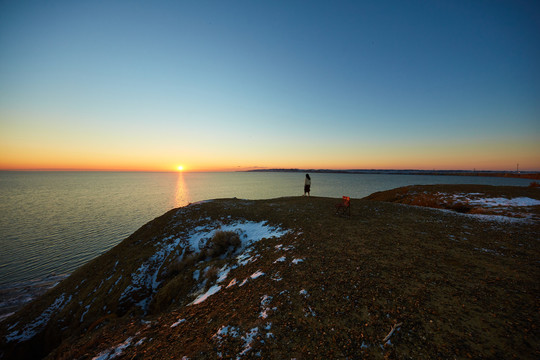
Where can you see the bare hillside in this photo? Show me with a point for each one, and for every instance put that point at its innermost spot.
(287, 278)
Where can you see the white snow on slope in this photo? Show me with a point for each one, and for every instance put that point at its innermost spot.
(490, 218)
(214, 289)
(146, 276)
(497, 205)
(492, 202)
(256, 274)
(32, 329)
(265, 302)
(226, 331)
(249, 232)
(114, 352)
(87, 307)
(248, 338)
(180, 321)
(222, 275)
(483, 200)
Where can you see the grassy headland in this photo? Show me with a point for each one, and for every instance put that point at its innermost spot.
(449, 283)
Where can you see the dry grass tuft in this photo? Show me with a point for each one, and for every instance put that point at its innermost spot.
(222, 243)
(211, 275)
(179, 265)
(174, 291)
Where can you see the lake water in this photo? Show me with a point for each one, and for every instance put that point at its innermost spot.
(53, 222)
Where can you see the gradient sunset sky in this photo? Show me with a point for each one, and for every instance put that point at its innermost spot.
(232, 85)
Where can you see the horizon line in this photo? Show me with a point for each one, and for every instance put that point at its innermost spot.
(259, 169)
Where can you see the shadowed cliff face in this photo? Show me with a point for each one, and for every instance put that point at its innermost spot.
(286, 277)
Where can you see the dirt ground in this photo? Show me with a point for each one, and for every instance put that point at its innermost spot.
(392, 280)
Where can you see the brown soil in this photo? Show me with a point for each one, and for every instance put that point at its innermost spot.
(460, 285)
(460, 198)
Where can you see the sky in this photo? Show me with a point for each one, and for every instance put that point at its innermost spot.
(237, 85)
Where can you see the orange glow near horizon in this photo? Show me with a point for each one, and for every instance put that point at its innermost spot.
(439, 158)
(342, 165)
(53, 150)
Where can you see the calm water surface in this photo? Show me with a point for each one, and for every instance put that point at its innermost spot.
(53, 222)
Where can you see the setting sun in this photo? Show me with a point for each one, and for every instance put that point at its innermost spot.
(180, 168)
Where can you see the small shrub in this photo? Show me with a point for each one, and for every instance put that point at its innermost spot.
(211, 275)
(177, 266)
(175, 289)
(221, 243)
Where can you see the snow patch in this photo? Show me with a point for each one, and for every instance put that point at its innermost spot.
(87, 307)
(257, 274)
(309, 311)
(115, 283)
(488, 218)
(114, 352)
(226, 331)
(222, 275)
(178, 323)
(145, 277)
(284, 248)
(248, 338)
(223, 272)
(493, 202)
(214, 289)
(489, 251)
(245, 258)
(265, 301)
(144, 281)
(248, 231)
(34, 327)
(277, 276)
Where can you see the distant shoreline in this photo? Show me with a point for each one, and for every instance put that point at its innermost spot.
(533, 175)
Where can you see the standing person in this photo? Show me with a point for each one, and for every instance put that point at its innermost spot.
(307, 185)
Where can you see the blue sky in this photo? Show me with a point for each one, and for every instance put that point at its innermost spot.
(240, 84)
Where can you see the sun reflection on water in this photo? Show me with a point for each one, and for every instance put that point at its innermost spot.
(181, 192)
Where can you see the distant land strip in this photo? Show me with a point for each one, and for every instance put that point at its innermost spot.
(511, 174)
